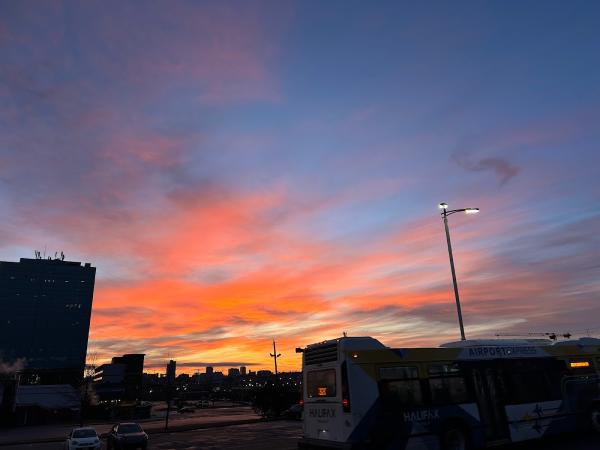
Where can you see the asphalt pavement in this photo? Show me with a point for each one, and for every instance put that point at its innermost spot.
(204, 418)
(284, 435)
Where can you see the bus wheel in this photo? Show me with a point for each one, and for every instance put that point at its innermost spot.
(454, 438)
(595, 418)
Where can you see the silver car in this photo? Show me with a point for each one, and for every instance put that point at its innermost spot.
(83, 438)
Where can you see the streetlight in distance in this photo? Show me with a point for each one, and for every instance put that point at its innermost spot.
(445, 213)
(275, 355)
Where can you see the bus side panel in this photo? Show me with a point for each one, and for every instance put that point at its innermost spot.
(364, 394)
(533, 420)
(415, 428)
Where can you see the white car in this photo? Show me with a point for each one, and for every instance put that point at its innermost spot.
(83, 438)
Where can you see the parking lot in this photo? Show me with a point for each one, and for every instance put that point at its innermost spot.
(280, 435)
(284, 435)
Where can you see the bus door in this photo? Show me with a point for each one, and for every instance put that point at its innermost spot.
(490, 392)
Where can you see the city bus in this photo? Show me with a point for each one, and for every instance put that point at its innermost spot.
(360, 394)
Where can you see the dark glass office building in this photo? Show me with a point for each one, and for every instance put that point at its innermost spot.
(45, 309)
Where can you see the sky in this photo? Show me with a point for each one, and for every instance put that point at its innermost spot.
(246, 171)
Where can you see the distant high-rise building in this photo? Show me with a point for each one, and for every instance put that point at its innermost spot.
(209, 370)
(45, 308)
(243, 371)
(171, 371)
(233, 372)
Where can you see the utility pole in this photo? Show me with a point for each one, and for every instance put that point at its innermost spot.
(275, 355)
(168, 407)
(169, 397)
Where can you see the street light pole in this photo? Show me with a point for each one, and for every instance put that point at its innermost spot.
(445, 214)
(169, 392)
(455, 284)
(275, 355)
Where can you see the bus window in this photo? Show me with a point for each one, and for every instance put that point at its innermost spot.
(447, 385)
(398, 373)
(320, 383)
(400, 386)
(440, 370)
(534, 381)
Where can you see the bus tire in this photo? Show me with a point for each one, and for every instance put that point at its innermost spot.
(454, 437)
(595, 418)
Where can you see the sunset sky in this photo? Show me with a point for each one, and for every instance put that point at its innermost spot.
(246, 171)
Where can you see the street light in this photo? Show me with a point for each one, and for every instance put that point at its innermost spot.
(445, 213)
(275, 355)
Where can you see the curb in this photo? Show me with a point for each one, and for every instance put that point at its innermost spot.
(173, 429)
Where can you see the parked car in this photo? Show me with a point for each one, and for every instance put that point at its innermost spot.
(127, 436)
(293, 412)
(80, 438)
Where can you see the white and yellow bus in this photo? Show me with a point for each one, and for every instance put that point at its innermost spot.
(359, 394)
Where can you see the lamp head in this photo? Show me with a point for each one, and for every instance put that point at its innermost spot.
(443, 205)
(471, 210)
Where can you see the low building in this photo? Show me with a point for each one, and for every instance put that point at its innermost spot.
(122, 379)
(110, 374)
(109, 382)
(134, 373)
(264, 373)
(183, 378)
(38, 404)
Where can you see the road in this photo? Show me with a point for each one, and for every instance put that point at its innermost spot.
(283, 435)
(202, 417)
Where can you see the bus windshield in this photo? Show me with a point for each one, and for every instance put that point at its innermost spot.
(320, 383)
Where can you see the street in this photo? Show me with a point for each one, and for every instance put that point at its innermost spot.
(200, 418)
(283, 435)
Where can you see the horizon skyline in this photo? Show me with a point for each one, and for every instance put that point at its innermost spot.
(239, 172)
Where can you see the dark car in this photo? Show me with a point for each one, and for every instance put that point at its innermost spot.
(127, 435)
(186, 409)
(293, 412)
